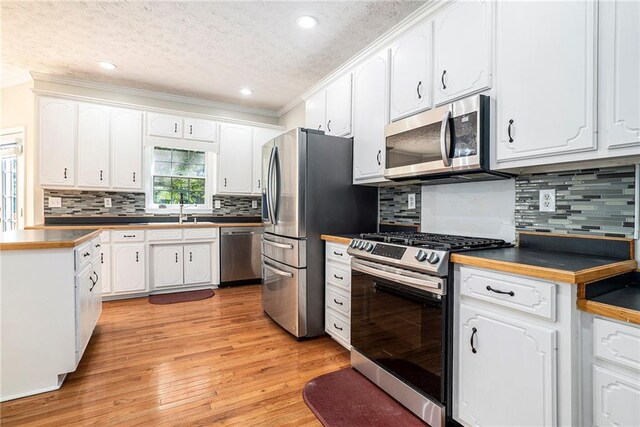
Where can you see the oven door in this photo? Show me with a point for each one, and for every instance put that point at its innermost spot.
(400, 328)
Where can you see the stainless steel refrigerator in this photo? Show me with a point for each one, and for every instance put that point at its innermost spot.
(308, 191)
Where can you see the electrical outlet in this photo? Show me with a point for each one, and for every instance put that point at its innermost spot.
(217, 204)
(107, 202)
(412, 201)
(547, 200)
(55, 202)
(254, 204)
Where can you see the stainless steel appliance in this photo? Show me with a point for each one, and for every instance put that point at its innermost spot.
(240, 255)
(446, 144)
(401, 315)
(308, 191)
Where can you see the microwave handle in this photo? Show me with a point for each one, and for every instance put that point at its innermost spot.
(445, 143)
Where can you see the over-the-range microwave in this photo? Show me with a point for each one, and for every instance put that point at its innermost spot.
(446, 144)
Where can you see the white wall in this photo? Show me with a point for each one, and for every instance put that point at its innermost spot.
(482, 209)
(296, 117)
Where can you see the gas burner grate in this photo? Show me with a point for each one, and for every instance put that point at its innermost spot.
(436, 241)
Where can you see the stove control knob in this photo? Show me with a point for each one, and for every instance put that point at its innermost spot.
(361, 245)
(368, 247)
(421, 255)
(353, 243)
(433, 258)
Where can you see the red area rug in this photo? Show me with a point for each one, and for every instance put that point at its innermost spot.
(181, 297)
(346, 398)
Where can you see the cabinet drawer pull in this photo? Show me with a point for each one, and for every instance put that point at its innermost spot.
(337, 253)
(175, 127)
(86, 254)
(319, 127)
(444, 86)
(65, 173)
(100, 175)
(134, 177)
(258, 183)
(509, 130)
(378, 157)
(329, 125)
(473, 334)
(176, 256)
(101, 258)
(137, 257)
(97, 245)
(190, 129)
(337, 327)
(225, 182)
(418, 90)
(338, 277)
(498, 291)
(128, 235)
(338, 302)
(190, 256)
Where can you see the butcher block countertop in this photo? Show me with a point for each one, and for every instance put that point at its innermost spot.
(45, 239)
(143, 225)
(344, 239)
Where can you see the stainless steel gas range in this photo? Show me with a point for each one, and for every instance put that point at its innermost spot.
(401, 315)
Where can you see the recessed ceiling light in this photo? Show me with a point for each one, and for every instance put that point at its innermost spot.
(307, 21)
(246, 91)
(105, 65)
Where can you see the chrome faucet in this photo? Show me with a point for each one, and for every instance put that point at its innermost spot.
(182, 216)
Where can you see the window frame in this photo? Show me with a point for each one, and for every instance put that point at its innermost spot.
(209, 174)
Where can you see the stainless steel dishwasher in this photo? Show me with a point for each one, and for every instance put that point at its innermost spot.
(240, 255)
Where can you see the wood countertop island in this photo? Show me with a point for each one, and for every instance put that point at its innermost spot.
(45, 238)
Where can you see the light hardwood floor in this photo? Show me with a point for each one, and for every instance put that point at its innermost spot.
(219, 361)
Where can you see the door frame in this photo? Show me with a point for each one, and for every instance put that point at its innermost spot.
(20, 132)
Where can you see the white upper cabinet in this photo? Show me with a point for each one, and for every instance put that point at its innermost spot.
(507, 371)
(234, 161)
(462, 50)
(200, 130)
(57, 133)
(126, 146)
(93, 145)
(164, 125)
(370, 117)
(410, 73)
(545, 80)
(315, 111)
(619, 76)
(338, 108)
(260, 137)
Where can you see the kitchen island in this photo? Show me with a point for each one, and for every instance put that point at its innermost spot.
(50, 301)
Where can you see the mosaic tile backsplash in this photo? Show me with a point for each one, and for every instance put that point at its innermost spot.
(589, 201)
(87, 203)
(394, 204)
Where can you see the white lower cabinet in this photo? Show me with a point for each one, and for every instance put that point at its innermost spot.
(88, 304)
(105, 261)
(129, 268)
(168, 266)
(197, 263)
(506, 371)
(338, 293)
(616, 398)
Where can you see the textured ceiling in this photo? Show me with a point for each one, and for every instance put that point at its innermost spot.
(208, 50)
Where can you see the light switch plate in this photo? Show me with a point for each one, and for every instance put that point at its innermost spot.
(55, 202)
(107, 202)
(547, 200)
(217, 204)
(412, 201)
(254, 204)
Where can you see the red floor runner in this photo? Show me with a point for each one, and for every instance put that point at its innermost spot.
(346, 398)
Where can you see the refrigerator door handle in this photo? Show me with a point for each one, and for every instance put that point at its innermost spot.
(277, 271)
(268, 189)
(274, 186)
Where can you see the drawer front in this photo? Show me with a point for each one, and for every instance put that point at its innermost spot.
(519, 293)
(337, 252)
(165, 234)
(338, 325)
(200, 233)
(617, 343)
(616, 398)
(105, 236)
(338, 300)
(339, 275)
(127, 236)
(83, 255)
(286, 250)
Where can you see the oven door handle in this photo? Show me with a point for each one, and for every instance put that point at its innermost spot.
(445, 143)
(426, 285)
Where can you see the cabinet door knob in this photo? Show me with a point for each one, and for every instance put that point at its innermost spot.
(100, 175)
(378, 157)
(418, 90)
(444, 86)
(509, 130)
(137, 257)
(65, 173)
(190, 129)
(175, 127)
(225, 182)
(190, 256)
(134, 177)
(473, 334)
(329, 125)
(101, 258)
(176, 256)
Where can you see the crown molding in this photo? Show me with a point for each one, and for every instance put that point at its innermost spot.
(16, 79)
(384, 41)
(150, 94)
